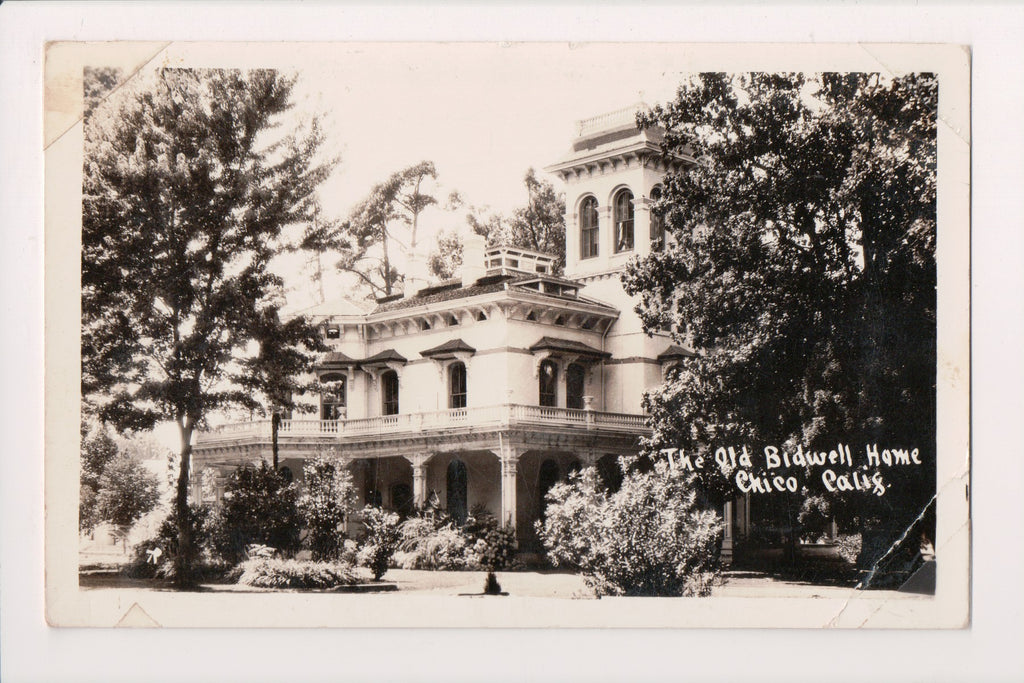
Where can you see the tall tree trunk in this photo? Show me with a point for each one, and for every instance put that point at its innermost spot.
(184, 571)
(387, 261)
(275, 426)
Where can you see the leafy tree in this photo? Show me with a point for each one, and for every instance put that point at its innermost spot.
(189, 182)
(260, 508)
(97, 83)
(804, 265)
(98, 449)
(126, 492)
(399, 200)
(540, 225)
(648, 538)
(328, 497)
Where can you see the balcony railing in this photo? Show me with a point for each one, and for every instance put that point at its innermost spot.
(483, 416)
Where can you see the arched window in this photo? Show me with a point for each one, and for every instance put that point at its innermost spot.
(588, 228)
(610, 472)
(657, 224)
(623, 207)
(389, 393)
(457, 385)
(402, 500)
(547, 478)
(575, 378)
(457, 481)
(548, 384)
(332, 401)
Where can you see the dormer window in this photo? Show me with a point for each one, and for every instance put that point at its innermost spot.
(332, 331)
(623, 212)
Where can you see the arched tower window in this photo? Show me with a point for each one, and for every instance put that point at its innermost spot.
(548, 384)
(457, 385)
(623, 208)
(574, 382)
(657, 224)
(588, 228)
(389, 393)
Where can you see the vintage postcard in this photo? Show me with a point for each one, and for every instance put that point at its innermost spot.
(524, 334)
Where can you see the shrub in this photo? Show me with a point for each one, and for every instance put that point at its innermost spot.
(166, 540)
(277, 573)
(490, 546)
(648, 538)
(381, 540)
(849, 547)
(260, 507)
(328, 497)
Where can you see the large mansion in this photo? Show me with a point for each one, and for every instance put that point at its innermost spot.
(483, 391)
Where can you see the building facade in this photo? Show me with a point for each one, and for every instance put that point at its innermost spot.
(481, 392)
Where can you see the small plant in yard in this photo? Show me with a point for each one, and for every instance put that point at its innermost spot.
(431, 544)
(328, 497)
(382, 538)
(648, 538)
(276, 573)
(491, 585)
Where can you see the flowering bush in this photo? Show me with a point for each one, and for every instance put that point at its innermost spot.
(382, 538)
(276, 573)
(648, 538)
(490, 546)
(328, 497)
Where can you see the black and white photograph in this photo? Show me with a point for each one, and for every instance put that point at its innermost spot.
(493, 334)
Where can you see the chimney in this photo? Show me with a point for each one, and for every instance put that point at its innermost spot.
(473, 259)
(416, 277)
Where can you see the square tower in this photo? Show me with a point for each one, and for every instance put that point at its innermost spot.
(612, 173)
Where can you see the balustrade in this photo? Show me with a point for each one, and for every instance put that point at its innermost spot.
(499, 415)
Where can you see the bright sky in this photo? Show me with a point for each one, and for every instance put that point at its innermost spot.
(482, 112)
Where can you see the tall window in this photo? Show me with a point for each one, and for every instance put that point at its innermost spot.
(332, 402)
(657, 224)
(547, 478)
(574, 381)
(457, 385)
(548, 384)
(458, 484)
(588, 228)
(389, 389)
(623, 221)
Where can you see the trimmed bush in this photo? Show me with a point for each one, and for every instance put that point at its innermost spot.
(382, 538)
(260, 508)
(276, 573)
(648, 538)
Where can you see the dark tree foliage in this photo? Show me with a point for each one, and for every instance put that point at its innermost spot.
(260, 508)
(803, 264)
(399, 200)
(98, 449)
(189, 181)
(540, 225)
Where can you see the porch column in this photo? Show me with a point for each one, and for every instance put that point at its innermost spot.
(727, 541)
(419, 478)
(509, 470)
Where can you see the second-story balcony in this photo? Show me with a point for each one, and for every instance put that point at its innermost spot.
(461, 424)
